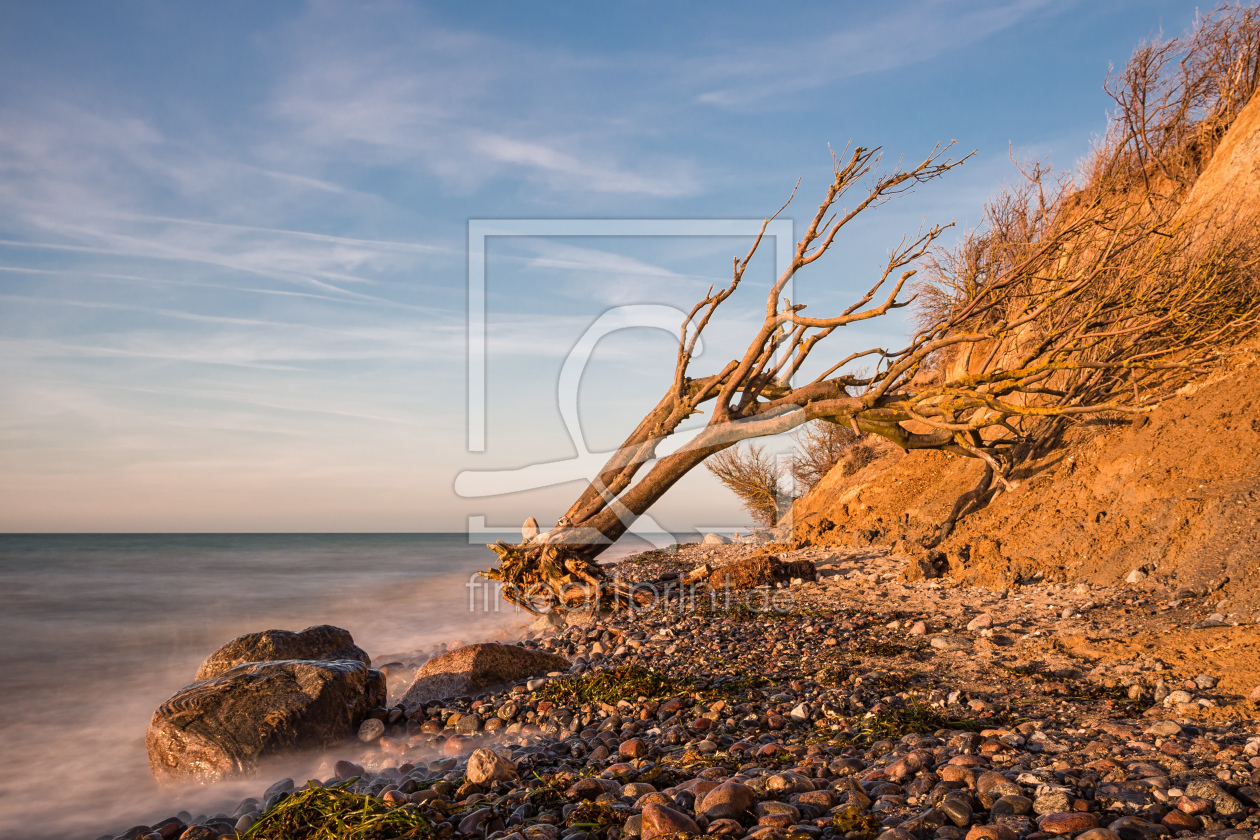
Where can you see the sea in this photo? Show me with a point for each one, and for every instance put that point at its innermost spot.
(97, 630)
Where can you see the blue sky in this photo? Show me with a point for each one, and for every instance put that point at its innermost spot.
(233, 255)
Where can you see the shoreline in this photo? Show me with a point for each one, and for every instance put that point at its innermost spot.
(863, 682)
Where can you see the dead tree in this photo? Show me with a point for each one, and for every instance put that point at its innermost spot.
(1100, 306)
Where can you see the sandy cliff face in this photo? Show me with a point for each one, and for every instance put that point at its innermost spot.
(1174, 494)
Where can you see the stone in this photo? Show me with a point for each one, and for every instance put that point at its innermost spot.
(990, 780)
(223, 726)
(636, 789)
(487, 767)
(1052, 803)
(1099, 834)
(199, 832)
(1120, 794)
(789, 782)
(1164, 729)
(896, 834)
(371, 730)
(1012, 804)
(323, 642)
(729, 800)
(957, 810)
(1226, 805)
(1136, 828)
(725, 828)
(919, 628)
(474, 668)
(1135, 576)
(632, 748)
(1176, 821)
(1067, 822)
(529, 530)
(981, 622)
(991, 832)
(658, 820)
(471, 824)
(715, 539)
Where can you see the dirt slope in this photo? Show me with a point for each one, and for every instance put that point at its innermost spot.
(1174, 494)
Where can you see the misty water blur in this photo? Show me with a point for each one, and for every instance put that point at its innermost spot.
(98, 630)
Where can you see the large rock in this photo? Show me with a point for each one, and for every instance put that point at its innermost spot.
(223, 726)
(474, 668)
(321, 642)
(759, 570)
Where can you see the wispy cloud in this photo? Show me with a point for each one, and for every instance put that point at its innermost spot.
(438, 101)
(753, 75)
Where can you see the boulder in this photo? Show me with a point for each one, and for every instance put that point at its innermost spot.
(760, 570)
(223, 726)
(716, 539)
(473, 668)
(321, 642)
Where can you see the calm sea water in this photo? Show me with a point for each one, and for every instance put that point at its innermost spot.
(97, 630)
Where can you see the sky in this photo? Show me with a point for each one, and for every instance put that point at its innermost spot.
(235, 252)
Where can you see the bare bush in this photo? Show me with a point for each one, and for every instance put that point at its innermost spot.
(821, 447)
(756, 477)
(1176, 98)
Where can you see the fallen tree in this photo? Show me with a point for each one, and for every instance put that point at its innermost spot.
(1101, 305)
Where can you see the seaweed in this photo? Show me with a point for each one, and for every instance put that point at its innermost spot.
(333, 813)
(893, 723)
(626, 682)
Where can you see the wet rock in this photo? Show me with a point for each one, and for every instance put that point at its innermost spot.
(223, 726)
(658, 820)
(322, 642)
(632, 748)
(958, 811)
(474, 668)
(991, 832)
(486, 767)
(729, 800)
